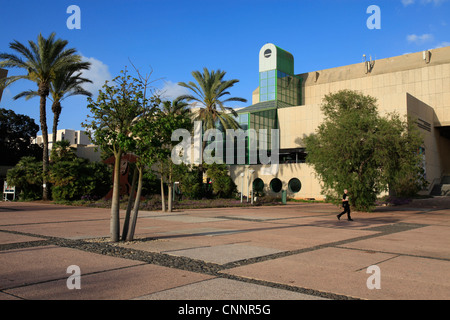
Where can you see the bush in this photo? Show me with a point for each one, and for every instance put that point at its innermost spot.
(79, 178)
(190, 185)
(222, 184)
(26, 176)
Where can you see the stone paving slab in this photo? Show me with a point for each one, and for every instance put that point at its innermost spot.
(296, 237)
(7, 237)
(120, 284)
(68, 230)
(429, 241)
(226, 289)
(225, 253)
(21, 267)
(188, 219)
(299, 248)
(343, 271)
(200, 232)
(160, 245)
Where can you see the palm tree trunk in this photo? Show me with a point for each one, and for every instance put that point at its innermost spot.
(43, 120)
(56, 108)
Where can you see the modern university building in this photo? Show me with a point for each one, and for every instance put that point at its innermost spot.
(416, 84)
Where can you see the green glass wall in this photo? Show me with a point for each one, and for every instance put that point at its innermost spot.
(280, 86)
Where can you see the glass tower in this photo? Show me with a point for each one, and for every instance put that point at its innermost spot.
(276, 76)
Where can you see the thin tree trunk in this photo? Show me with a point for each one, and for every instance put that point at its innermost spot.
(129, 205)
(43, 119)
(137, 202)
(170, 190)
(163, 200)
(115, 207)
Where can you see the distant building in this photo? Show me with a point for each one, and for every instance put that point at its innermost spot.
(78, 139)
(416, 84)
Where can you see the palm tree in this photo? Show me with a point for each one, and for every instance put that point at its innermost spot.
(41, 62)
(176, 106)
(209, 91)
(65, 84)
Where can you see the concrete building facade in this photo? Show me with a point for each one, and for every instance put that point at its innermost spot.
(416, 84)
(78, 139)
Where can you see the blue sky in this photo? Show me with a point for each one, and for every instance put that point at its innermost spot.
(176, 37)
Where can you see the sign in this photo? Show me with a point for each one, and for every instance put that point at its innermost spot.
(8, 190)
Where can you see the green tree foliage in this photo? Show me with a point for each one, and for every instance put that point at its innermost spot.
(113, 115)
(222, 184)
(16, 133)
(62, 151)
(356, 149)
(210, 91)
(78, 178)
(154, 144)
(67, 82)
(26, 176)
(190, 186)
(41, 62)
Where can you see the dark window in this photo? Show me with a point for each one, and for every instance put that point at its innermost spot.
(294, 185)
(276, 185)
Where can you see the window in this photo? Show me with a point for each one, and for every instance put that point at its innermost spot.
(258, 185)
(276, 185)
(294, 185)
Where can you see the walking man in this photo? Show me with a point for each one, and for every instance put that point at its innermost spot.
(346, 207)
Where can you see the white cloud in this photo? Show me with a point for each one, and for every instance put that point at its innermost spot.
(442, 44)
(424, 2)
(98, 74)
(419, 39)
(435, 2)
(171, 90)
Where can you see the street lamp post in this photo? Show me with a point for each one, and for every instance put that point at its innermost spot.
(250, 177)
(242, 185)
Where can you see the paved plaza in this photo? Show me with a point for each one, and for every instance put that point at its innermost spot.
(293, 252)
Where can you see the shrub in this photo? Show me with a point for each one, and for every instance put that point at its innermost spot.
(79, 178)
(26, 176)
(222, 184)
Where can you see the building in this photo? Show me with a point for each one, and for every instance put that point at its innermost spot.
(78, 139)
(416, 84)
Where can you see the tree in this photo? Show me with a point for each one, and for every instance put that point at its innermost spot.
(76, 178)
(356, 149)
(62, 151)
(16, 134)
(176, 115)
(65, 84)
(116, 110)
(222, 184)
(26, 176)
(42, 61)
(210, 91)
